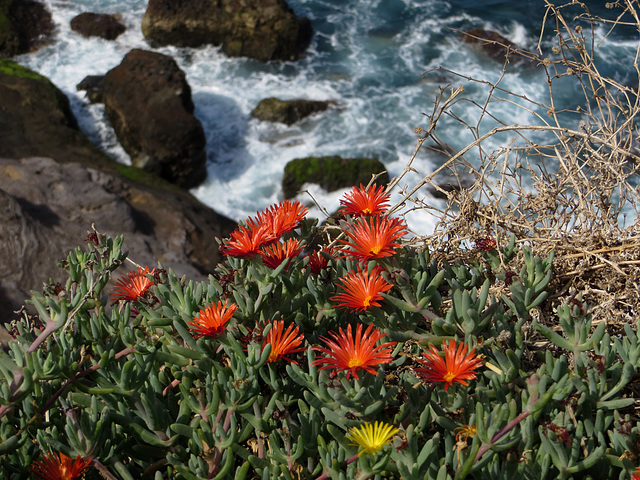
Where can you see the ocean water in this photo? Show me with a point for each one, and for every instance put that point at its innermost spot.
(367, 55)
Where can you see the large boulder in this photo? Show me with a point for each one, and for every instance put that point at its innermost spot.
(331, 173)
(288, 111)
(260, 29)
(36, 120)
(89, 24)
(47, 208)
(148, 102)
(25, 25)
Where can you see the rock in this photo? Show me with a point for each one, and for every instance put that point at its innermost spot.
(148, 102)
(92, 84)
(36, 119)
(331, 173)
(47, 208)
(25, 25)
(47, 205)
(260, 29)
(492, 43)
(287, 111)
(101, 25)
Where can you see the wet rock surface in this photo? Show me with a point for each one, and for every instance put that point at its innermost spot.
(288, 111)
(261, 29)
(89, 24)
(148, 102)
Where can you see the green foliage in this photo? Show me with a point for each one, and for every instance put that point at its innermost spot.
(128, 384)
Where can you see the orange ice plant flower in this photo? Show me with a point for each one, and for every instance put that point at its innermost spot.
(317, 261)
(362, 289)
(60, 467)
(350, 353)
(282, 217)
(212, 320)
(283, 342)
(365, 201)
(133, 286)
(246, 240)
(456, 366)
(636, 474)
(273, 255)
(373, 237)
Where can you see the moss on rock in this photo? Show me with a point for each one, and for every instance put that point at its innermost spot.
(331, 173)
(13, 69)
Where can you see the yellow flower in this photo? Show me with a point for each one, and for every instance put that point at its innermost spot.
(372, 437)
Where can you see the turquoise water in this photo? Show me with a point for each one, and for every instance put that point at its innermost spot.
(369, 56)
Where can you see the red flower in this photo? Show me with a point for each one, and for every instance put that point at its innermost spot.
(352, 353)
(283, 217)
(133, 286)
(246, 240)
(562, 433)
(361, 201)
(273, 255)
(485, 244)
(636, 474)
(317, 261)
(456, 366)
(212, 320)
(362, 289)
(60, 467)
(373, 237)
(283, 342)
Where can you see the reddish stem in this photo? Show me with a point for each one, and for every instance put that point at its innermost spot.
(486, 446)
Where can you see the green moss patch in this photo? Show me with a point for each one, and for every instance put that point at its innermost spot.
(13, 69)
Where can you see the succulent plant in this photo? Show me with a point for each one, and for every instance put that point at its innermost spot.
(261, 372)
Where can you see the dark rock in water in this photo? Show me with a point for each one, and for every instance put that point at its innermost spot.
(25, 26)
(492, 43)
(331, 173)
(148, 102)
(92, 84)
(36, 120)
(288, 111)
(260, 29)
(101, 25)
(47, 208)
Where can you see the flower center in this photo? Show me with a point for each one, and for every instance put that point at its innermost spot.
(367, 301)
(366, 211)
(273, 356)
(449, 376)
(376, 249)
(354, 362)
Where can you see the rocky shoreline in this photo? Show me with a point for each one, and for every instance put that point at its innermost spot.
(55, 184)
